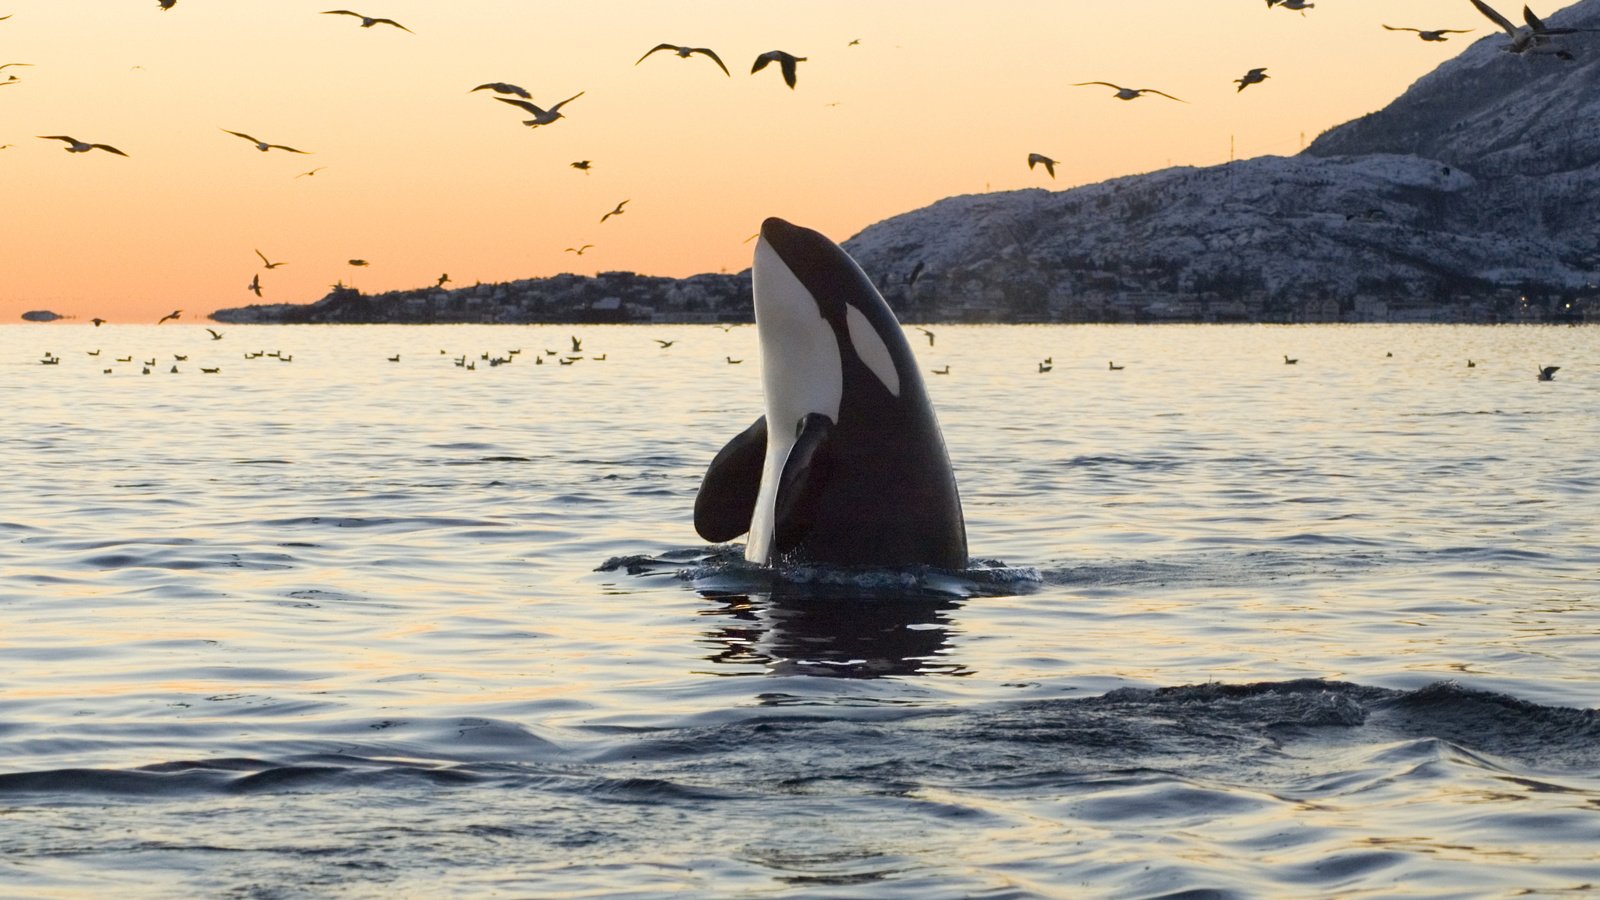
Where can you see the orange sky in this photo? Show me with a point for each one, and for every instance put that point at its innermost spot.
(422, 177)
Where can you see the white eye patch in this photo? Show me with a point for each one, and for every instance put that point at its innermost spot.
(871, 349)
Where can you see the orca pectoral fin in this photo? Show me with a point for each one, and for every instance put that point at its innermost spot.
(727, 497)
(805, 473)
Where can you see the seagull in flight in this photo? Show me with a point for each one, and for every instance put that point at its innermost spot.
(579, 250)
(98, 321)
(263, 146)
(312, 172)
(684, 52)
(1437, 34)
(583, 165)
(1299, 6)
(76, 146)
(443, 279)
(1254, 76)
(785, 61)
(166, 4)
(171, 315)
(1531, 37)
(368, 21)
(614, 212)
(1039, 159)
(1548, 373)
(928, 333)
(255, 284)
(501, 87)
(268, 263)
(215, 334)
(1129, 93)
(540, 116)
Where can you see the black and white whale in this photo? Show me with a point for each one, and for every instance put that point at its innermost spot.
(847, 467)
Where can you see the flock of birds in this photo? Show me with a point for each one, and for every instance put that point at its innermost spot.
(566, 357)
(1532, 38)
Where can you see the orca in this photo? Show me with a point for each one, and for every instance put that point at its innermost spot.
(847, 466)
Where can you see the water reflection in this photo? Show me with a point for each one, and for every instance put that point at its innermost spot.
(798, 633)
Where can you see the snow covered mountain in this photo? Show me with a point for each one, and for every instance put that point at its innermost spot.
(1475, 196)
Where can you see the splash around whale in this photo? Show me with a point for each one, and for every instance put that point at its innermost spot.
(846, 466)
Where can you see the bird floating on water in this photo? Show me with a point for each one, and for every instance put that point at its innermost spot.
(785, 61)
(684, 53)
(1254, 76)
(1437, 34)
(368, 21)
(943, 371)
(540, 116)
(76, 146)
(1114, 367)
(1289, 362)
(1124, 93)
(1039, 159)
(263, 146)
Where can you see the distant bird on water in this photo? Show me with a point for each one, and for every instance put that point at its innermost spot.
(732, 361)
(943, 371)
(615, 212)
(785, 61)
(268, 263)
(76, 146)
(1289, 362)
(1471, 364)
(540, 116)
(1437, 34)
(1548, 373)
(368, 21)
(1045, 367)
(1114, 367)
(1254, 76)
(684, 52)
(1039, 159)
(1124, 93)
(171, 315)
(263, 146)
(501, 87)
(255, 285)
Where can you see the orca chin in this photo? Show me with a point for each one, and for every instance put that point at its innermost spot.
(846, 466)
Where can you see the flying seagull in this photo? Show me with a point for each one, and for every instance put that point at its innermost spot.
(1531, 37)
(614, 212)
(1434, 35)
(540, 116)
(578, 250)
(1128, 93)
(263, 146)
(443, 279)
(368, 21)
(76, 146)
(98, 321)
(255, 285)
(785, 61)
(171, 315)
(583, 165)
(166, 4)
(1254, 76)
(500, 87)
(683, 53)
(1039, 159)
(1548, 373)
(268, 263)
(1299, 6)
(312, 172)
(928, 333)
(215, 334)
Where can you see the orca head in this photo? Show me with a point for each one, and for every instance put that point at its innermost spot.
(815, 309)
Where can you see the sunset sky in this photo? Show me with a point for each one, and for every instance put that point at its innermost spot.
(421, 177)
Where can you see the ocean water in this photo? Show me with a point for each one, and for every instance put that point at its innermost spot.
(346, 626)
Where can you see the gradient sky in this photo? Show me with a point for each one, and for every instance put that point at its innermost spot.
(422, 177)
